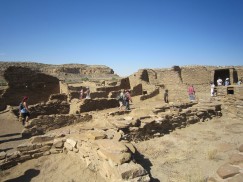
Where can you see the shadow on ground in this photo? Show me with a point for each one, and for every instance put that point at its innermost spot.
(145, 162)
(26, 177)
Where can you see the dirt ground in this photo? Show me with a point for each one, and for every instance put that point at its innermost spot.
(190, 154)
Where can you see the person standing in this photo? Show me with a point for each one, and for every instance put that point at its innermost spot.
(220, 82)
(212, 88)
(166, 96)
(191, 93)
(24, 110)
(120, 99)
(81, 93)
(127, 98)
(87, 93)
(227, 83)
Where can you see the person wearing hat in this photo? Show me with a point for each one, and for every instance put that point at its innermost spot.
(24, 110)
(226, 83)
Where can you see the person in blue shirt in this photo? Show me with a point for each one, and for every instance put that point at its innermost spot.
(24, 110)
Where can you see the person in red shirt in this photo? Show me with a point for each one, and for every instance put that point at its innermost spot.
(191, 93)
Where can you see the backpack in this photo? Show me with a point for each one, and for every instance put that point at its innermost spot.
(21, 106)
(125, 97)
(119, 97)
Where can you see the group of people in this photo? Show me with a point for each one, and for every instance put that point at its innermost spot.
(124, 99)
(221, 83)
(86, 93)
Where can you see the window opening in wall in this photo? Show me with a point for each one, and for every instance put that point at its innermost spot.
(223, 74)
(145, 92)
(230, 90)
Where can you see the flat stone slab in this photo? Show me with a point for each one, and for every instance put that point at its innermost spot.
(241, 148)
(95, 135)
(2, 155)
(236, 178)
(112, 146)
(131, 170)
(236, 159)
(227, 171)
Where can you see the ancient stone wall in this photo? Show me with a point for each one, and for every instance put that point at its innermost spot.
(45, 123)
(195, 75)
(26, 82)
(97, 104)
(167, 77)
(165, 119)
(150, 95)
(239, 71)
(110, 157)
(57, 104)
(137, 90)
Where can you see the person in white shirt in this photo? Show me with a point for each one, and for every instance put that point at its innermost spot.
(226, 83)
(220, 82)
(212, 88)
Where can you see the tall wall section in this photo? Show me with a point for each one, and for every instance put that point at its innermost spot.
(177, 79)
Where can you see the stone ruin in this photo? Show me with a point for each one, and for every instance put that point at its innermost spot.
(110, 151)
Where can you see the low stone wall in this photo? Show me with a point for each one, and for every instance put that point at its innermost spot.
(45, 123)
(150, 95)
(108, 89)
(137, 90)
(57, 104)
(93, 95)
(98, 104)
(110, 157)
(167, 119)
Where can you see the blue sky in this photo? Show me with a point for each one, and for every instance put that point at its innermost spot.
(125, 35)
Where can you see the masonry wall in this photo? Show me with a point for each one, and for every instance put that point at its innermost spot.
(26, 82)
(167, 77)
(195, 75)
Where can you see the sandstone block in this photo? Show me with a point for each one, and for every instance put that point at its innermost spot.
(95, 135)
(2, 155)
(236, 178)
(236, 159)
(55, 151)
(108, 172)
(37, 155)
(24, 158)
(130, 147)
(25, 147)
(13, 155)
(71, 142)
(46, 153)
(112, 146)
(41, 139)
(241, 148)
(227, 171)
(130, 170)
(121, 123)
(118, 158)
(68, 146)
(117, 136)
(145, 178)
(58, 143)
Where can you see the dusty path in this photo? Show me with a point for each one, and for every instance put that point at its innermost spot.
(10, 132)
